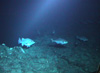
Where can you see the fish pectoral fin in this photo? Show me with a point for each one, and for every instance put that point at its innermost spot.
(28, 46)
(22, 44)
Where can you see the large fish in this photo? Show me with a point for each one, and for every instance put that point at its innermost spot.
(25, 42)
(59, 41)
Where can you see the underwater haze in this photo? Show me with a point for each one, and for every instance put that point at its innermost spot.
(27, 18)
(66, 36)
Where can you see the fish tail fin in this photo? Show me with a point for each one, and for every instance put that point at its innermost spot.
(52, 40)
(19, 40)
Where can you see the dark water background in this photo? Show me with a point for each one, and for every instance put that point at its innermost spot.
(66, 17)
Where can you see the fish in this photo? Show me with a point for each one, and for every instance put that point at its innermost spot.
(82, 38)
(26, 42)
(60, 41)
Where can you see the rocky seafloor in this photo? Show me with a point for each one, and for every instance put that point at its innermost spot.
(47, 57)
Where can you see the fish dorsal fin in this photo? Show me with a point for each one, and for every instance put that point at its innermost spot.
(22, 38)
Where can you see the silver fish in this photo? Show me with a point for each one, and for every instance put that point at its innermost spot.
(26, 42)
(60, 41)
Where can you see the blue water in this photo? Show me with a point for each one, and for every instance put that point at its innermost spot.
(42, 21)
